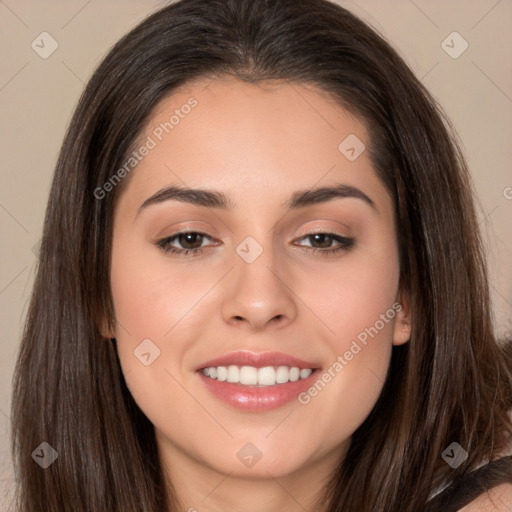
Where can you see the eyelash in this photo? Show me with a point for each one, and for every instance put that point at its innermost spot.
(164, 244)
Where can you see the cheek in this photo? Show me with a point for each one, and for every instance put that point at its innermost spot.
(350, 296)
(154, 307)
(151, 295)
(149, 305)
(356, 302)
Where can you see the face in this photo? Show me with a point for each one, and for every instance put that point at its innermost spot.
(260, 279)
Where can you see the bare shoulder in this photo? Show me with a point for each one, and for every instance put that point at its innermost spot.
(498, 499)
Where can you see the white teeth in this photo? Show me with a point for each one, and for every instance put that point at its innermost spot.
(248, 375)
(304, 373)
(294, 374)
(233, 374)
(282, 374)
(222, 373)
(251, 376)
(266, 376)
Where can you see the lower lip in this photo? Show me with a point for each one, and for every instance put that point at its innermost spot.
(254, 398)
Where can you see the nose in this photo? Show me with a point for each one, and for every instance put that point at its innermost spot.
(259, 294)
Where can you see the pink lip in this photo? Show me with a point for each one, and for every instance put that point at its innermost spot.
(254, 398)
(258, 360)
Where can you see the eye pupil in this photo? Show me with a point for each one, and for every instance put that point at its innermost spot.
(188, 238)
(322, 237)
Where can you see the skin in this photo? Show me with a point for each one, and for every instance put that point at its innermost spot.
(498, 499)
(258, 145)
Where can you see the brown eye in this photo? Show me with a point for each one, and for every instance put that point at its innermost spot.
(189, 242)
(323, 239)
(322, 242)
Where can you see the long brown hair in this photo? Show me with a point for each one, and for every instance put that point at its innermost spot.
(451, 383)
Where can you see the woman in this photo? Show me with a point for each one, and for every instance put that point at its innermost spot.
(261, 283)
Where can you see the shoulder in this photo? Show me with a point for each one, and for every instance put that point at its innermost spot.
(497, 499)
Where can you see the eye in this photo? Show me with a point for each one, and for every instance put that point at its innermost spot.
(190, 241)
(325, 240)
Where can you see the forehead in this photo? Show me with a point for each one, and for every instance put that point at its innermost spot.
(250, 140)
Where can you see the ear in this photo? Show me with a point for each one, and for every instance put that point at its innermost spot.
(403, 321)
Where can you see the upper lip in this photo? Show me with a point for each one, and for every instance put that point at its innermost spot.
(258, 360)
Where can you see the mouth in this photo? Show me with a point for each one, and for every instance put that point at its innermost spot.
(257, 382)
(252, 376)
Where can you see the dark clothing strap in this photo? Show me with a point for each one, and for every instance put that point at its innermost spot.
(472, 485)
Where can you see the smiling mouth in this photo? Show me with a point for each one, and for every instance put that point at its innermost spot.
(260, 377)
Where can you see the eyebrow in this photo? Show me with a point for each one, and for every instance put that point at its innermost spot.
(215, 199)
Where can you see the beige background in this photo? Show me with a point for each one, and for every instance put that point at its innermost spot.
(37, 97)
